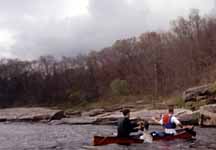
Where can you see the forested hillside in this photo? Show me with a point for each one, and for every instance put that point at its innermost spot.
(160, 63)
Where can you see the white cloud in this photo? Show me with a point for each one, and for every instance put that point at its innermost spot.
(69, 27)
(75, 8)
(6, 39)
(173, 5)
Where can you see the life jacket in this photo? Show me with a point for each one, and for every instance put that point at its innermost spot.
(167, 122)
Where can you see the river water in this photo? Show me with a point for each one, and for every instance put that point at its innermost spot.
(26, 136)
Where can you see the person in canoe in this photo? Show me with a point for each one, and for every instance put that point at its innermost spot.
(169, 121)
(126, 126)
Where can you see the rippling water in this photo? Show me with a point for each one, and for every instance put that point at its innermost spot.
(23, 136)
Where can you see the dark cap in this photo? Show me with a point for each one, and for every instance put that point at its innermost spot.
(170, 108)
(125, 111)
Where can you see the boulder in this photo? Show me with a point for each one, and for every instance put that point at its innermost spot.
(197, 93)
(191, 118)
(208, 115)
(30, 114)
(57, 115)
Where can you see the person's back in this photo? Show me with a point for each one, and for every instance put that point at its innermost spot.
(169, 121)
(125, 127)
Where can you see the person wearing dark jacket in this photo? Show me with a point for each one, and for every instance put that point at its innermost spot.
(125, 126)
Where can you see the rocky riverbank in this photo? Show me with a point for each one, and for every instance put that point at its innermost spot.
(110, 118)
(204, 115)
(199, 101)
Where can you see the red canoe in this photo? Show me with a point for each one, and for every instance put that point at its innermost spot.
(104, 140)
(181, 134)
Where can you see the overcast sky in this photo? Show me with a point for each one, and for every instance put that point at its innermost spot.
(31, 28)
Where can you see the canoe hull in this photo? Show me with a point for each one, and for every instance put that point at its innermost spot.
(182, 135)
(185, 134)
(101, 140)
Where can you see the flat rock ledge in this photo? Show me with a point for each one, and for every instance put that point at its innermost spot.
(111, 118)
(205, 116)
(30, 114)
(185, 116)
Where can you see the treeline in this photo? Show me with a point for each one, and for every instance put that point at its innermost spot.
(153, 63)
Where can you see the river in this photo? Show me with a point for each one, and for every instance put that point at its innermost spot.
(26, 136)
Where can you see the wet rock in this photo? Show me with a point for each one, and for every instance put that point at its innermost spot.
(72, 114)
(57, 115)
(30, 114)
(114, 108)
(108, 118)
(93, 112)
(78, 120)
(56, 122)
(208, 115)
(106, 121)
